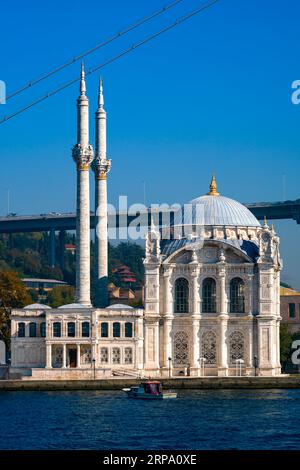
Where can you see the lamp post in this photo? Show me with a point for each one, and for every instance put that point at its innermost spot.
(255, 365)
(170, 363)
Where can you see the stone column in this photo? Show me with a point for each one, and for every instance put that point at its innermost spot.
(223, 295)
(168, 318)
(168, 301)
(195, 291)
(249, 353)
(139, 344)
(223, 361)
(195, 363)
(64, 363)
(249, 350)
(78, 356)
(49, 356)
(250, 294)
(278, 344)
(223, 319)
(195, 321)
(167, 335)
(156, 360)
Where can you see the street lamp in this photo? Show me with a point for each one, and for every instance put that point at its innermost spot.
(255, 365)
(170, 363)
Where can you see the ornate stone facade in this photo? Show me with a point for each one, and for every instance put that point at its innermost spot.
(212, 301)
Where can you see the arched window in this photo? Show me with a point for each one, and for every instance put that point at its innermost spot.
(128, 330)
(209, 304)
(32, 330)
(43, 329)
(85, 329)
(71, 329)
(104, 330)
(181, 295)
(116, 330)
(237, 295)
(21, 330)
(57, 329)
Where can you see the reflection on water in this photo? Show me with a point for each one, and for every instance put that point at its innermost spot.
(209, 419)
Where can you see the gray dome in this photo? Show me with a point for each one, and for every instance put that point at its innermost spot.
(219, 210)
(119, 306)
(213, 209)
(36, 307)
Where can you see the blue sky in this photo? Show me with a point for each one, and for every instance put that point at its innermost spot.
(213, 94)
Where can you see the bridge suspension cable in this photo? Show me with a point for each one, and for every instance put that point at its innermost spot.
(113, 59)
(93, 49)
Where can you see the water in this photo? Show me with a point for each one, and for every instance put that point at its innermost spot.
(246, 419)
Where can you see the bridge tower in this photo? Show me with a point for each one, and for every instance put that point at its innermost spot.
(83, 155)
(101, 167)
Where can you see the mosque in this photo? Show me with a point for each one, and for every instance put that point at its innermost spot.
(212, 292)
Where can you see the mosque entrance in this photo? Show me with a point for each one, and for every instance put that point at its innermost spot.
(72, 357)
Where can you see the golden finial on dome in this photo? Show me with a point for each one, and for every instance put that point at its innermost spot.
(213, 187)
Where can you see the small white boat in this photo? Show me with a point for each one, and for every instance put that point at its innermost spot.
(149, 390)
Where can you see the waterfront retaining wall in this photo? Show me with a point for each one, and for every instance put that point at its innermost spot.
(213, 383)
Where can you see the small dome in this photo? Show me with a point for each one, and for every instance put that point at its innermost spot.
(36, 307)
(119, 306)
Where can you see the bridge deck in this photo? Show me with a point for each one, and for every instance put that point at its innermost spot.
(55, 221)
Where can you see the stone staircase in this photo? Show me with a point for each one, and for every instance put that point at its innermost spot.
(128, 373)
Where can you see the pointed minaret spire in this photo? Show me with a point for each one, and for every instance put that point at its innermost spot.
(82, 81)
(83, 156)
(100, 94)
(101, 167)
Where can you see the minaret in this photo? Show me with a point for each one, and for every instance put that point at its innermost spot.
(83, 154)
(101, 167)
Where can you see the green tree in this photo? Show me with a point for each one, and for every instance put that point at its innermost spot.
(13, 294)
(286, 351)
(285, 345)
(61, 295)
